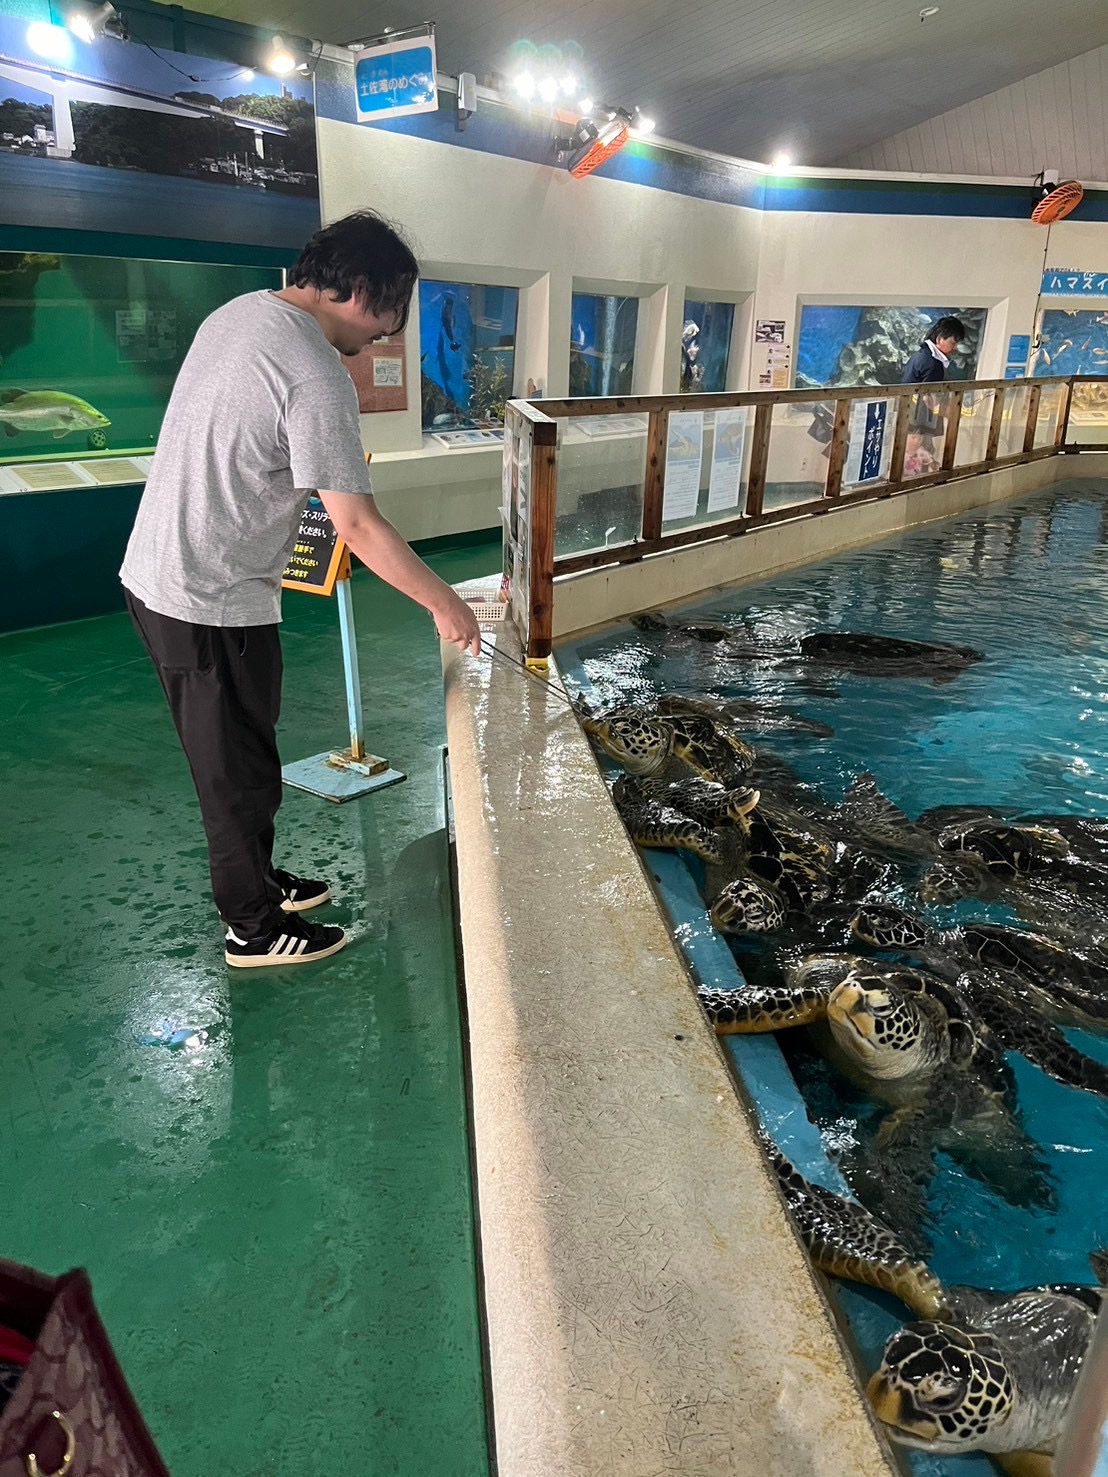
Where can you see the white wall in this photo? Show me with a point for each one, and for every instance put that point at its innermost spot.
(1057, 117)
(478, 217)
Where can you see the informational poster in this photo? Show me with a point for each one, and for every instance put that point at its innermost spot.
(867, 442)
(769, 331)
(145, 335)
(1019, 351)
(778, 365)
(378, 375)
(725, 482)
(684, 455)
(508, 470)
(317, 557)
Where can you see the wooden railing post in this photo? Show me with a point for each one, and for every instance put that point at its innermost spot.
(837, 458)
(759, 457)
(544, 506)
(900, 439)
(1033, 399)
(654, 478)
(953, 426)
(995, 424)
(1064, 419)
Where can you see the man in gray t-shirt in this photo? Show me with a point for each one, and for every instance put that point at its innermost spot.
(263, 415)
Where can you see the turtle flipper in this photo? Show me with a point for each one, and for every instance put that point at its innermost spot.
(844, 1240)
(662, 826)
(1037, 1039)
(756, 1009)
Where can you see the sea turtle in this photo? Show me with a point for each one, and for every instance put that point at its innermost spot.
(981, 1370)
(748, 715)
(666, 749)
(1008, 852)
(862, 652)
(1071, 987)
(915, 1042)
(1014, 1010)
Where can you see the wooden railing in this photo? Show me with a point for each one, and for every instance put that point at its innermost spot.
(531, 452)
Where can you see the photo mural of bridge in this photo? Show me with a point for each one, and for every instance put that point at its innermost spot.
(118, 136)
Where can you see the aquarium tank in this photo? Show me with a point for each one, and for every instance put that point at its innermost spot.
(867, 345)
(602, 344)
(705, 345)
(90, 346)
(1075, 342)
(467, 352)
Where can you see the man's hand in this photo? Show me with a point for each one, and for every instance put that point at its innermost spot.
(456, 623)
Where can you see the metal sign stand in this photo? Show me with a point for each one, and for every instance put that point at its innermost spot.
(351, 773)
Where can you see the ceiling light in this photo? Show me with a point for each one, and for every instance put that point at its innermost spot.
(548, 89)
(782, 160)
(640, 123)
(86, 25)
(524, 84)
(51, 42)
(586, 105)
(569, 84)
(280, 59)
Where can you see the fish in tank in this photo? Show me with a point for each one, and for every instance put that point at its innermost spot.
(705, 346)
(602, 344)
(859, 345)
(90, 346)
(467, 339)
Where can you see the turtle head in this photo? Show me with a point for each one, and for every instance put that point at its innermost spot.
(942, 1388)
(877, 1024)
(745, 906)
(640, 743)
(883, 926)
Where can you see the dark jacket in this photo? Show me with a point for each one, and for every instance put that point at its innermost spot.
(922, 368)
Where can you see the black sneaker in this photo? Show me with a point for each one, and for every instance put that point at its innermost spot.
(292, 942)
(298, 894)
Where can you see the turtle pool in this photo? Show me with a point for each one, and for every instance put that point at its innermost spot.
(1025, 731)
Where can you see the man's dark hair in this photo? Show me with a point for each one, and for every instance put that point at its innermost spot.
(947, 328)
(360, 256)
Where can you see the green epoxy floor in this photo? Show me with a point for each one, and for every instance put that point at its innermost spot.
(278, 1224)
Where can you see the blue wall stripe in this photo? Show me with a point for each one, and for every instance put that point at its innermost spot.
(514, 134)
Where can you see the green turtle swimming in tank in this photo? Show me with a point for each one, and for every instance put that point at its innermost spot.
(1018, 1012)
(665, 749)
(981, 1370)
(48, 410)
(914, 1042)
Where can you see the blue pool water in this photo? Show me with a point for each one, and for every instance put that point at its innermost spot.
(1025, 730)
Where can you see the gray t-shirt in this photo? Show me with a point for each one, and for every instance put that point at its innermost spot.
(262, 415)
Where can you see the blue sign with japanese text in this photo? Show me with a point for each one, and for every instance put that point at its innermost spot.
(874, 441)
(1066, 282)
(396, 79)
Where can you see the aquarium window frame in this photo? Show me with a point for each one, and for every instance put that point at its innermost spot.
(650, 323)
(741, 305)
(994, 330)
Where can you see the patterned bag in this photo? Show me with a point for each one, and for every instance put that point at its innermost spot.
(70, 1413)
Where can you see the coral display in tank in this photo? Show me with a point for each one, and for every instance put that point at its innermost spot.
(467, 350)
(602, 344)
(840, 345)
(705, 345)
(90, 346)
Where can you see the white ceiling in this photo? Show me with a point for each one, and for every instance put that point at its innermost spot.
(818, 78)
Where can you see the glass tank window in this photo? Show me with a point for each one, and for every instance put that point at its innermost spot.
(841, 345)
(90, 346)
(467, 351)
(705, 345)
(602, 344)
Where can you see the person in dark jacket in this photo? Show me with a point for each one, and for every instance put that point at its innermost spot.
(932, 359)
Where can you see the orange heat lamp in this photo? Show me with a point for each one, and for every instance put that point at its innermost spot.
(599, 151)
(592, 144)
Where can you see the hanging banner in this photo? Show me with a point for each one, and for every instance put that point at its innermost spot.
(396, 79)
(725, 483)
(684, 453)
(1067, 282)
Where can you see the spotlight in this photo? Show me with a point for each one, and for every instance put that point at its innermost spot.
(50, 42)
(586, 105)
(640, 123)
(548, 89)
(569, 84)
(280, 59)
(524, 84)
(782, 160)
(87, 25)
